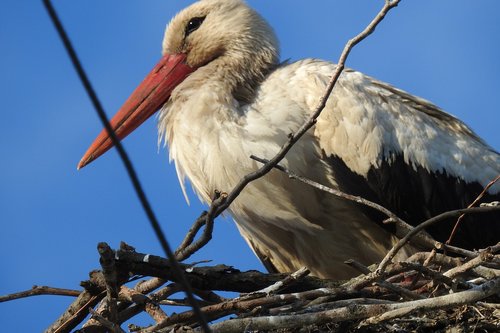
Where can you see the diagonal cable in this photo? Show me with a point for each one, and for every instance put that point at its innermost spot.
(126, 161)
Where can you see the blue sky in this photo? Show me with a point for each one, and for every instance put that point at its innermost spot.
(52, 216)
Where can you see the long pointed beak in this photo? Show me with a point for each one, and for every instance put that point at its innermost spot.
(146, 99)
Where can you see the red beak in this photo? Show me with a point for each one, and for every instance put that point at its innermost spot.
(147, 98)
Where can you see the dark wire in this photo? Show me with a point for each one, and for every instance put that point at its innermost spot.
(128, 164)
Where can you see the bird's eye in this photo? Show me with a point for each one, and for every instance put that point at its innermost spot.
(193, 24)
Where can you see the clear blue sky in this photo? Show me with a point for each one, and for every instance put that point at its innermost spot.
(53, 216)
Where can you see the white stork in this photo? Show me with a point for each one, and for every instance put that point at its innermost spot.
(223, 95)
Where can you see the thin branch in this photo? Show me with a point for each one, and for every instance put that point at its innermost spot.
(107, 261)
(422, 239)
(434, 275)
(402, 227)
(245, 305)
(464, 297)
(188, 245)
(105, 322)
(190, 236)
(404, 293)
(441, 217)
(335, 192)
(285, 283)
(156, 297)
(483, 257)
(479, 197)
(329, 305)
(416, 260)
(40, 290)
(218, 277)
(454, 249)
(78, 310)
(146, 303)
(147, 286)
(437, 258)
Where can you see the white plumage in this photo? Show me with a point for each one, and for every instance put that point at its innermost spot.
(369, 140)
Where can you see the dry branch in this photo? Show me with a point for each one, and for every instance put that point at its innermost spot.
(476, 201)
(441, 217)
(40, 290)
(79, 309)
(465, 297)
(111, 326)
(107, 262)
(219, 277)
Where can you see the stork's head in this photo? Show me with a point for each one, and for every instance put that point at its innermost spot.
(208, 34)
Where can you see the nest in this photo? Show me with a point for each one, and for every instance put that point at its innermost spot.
(428, 292)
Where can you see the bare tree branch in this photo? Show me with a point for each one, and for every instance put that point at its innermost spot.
(479, 197)
(40, 290)
(79, 309)
(390, 255)
(421, 239)
(107, 261)
(218, 277)
(105, 322)
(468, 296)
(483, 257)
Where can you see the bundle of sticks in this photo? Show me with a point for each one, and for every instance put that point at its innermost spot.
(428, 292)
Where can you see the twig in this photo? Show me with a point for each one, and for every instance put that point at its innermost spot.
(114, 328)
(416, 260)
(209, 296)
(298, 320)
(405, 293)
(437, 258)
(147, 286)
(464, 297)
(335, 304)
(402, 228)
(479, 260)
(479, 197)
(434, 275)
(188, 245)
(394, 250)
(107, 261)
(40, 290)
(238, 305)
(190, 235)
(330, 190)
(78, 310)
(150, 307)
(454, 249)
(285, 283)
(218, 277)
(156, 297)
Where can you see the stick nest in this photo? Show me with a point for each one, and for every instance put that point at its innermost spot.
(429, 292)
